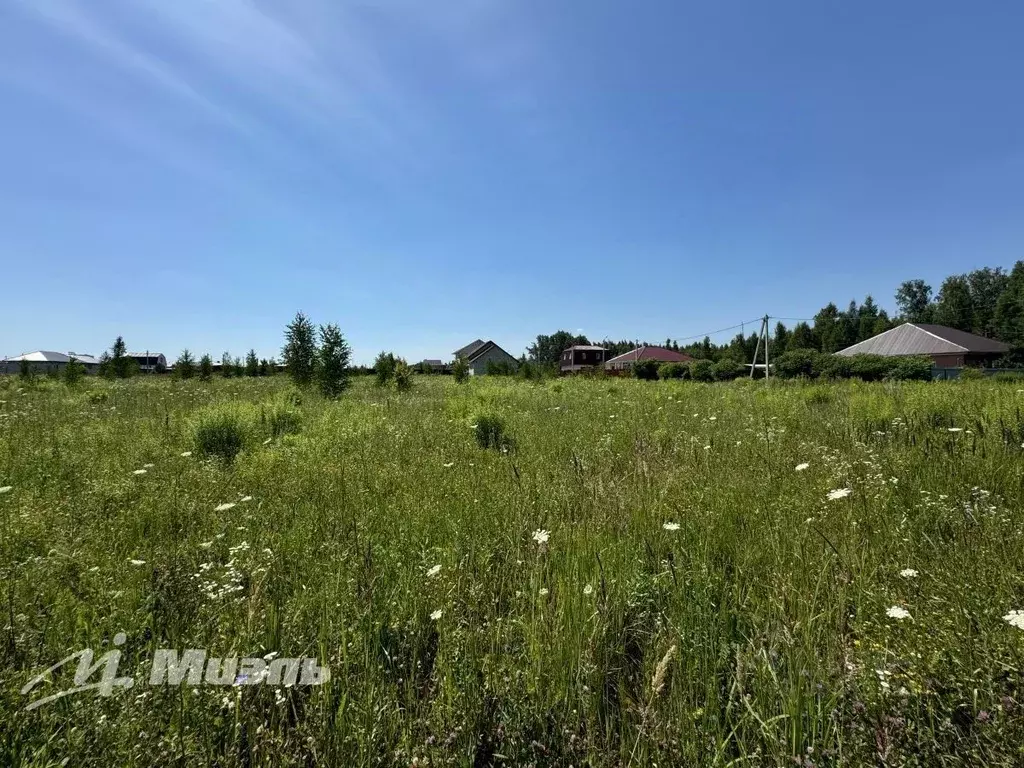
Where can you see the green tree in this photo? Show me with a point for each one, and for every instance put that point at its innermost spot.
(300, 352)
(384, 368)
(121, 365)
(1009, 317)
(74, 372)
(185, 366)
(954, 305)
(986, 286)
(460, 370)
(780, 341)
(331, 370)
(206, 367)
(252, 364)
(227, 365)
(547, 350)
(24, 370)
(802, 337)
(913, 298)
(106, 369)
(402, 375)
(867, 316)
(238, 368)
(828, 328)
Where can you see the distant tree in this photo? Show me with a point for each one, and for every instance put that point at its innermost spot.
(123, 367)
(547, 350)
(238, 368)
(252, 364)
(913, 298)
(867, 315)
(460, 369)
(384, 368)
(74, 372)
(185, 366)
(402, 375)
(780, 340)
(106, 369)
(300, 352)
(264, 367)
(954, 306)
(331, 370)
(206, 367)
(802, 337)
(227, 365)
(828, 328)
(24, 369)
(646, 370)
(271, 367)
(987, 286)
(1009, 316)
(882, 323)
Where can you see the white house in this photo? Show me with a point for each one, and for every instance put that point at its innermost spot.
(479, 353)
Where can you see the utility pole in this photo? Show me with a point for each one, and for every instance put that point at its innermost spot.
(762, 334)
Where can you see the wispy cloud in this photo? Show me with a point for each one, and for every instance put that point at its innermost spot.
(317, 82)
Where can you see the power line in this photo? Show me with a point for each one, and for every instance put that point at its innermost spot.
(720, 330)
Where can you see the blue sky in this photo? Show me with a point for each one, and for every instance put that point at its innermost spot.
(191, 173)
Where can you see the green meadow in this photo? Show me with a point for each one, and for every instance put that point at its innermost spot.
(584, 572)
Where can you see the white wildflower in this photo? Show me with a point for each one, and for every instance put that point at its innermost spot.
(449, 465)
(244, 499)
(908, 573)
(839, 493)
(6, 489)
(670, 526)
(186, 454)
(268, 441)
(955, 429)
(898, 613)
(139, 472)
(148, 466)
(588, 590)
(433, 571)
(802, 467)
(543, 592)
(436, 614)
(224, 507)
(137, 562)
(541, 536)
(1015, 619)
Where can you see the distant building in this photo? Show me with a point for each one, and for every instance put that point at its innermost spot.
(149, 362)
(661, 354)
(947, 347)
(581, 357)
(432, 366)
(44, 361)
(479, 353)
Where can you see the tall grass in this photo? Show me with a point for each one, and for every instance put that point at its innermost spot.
(700, 600)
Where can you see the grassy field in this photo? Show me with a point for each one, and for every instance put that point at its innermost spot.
(708, 592)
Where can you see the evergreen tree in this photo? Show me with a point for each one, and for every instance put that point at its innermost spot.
(460, 370)
(121, 365)
(24, 370)
(780, 342)
(227, 365)
(333, 358)
(206, 367)
(264, 369)
(867, 315)
(300, 352)
(74, 371)
(828, 328)
(986, 286)
(252, 364)
(185, 366)
(802, 337)
(106, 366)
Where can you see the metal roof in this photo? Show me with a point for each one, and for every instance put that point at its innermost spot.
(469, 349)
(661, 354)
(586, 348)
(924, 339)
(46, 356)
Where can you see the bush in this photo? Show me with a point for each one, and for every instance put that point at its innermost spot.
(797, 362)
(702, 370)
(971, 374)
(97, 396)
(726, 370)
(281, 420)
(645, 370)
(1014, 377)
(871, 367)
(384, 368)
(460, 370)
(402, 375)
(490, 432)
(911, 369)
(834, 367)
(673, 371)
(219, 432)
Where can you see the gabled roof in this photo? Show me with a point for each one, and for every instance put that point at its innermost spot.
(924, 339)
(487, 346)
(585, 348)
(469, 349)
(42, 356)
(145, 354)
(661, 354)
(432, 362)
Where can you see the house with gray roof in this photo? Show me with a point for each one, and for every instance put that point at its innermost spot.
(478, 354)
(948, 347)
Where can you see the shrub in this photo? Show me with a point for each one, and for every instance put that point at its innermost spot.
(281, 420)
(818, 395)
(97, 396)
(460, 370)
(726, 370)
(1015, 377)
(797, 362)
(834, 367)
(911, 369)
(871, 367)
(384, 368)
(205, 368)
(702, 370)
(673, 371)
(971, 374)
(74, 371)
(645, 370)
(402, 375)
(220, 432)
(490, 432)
